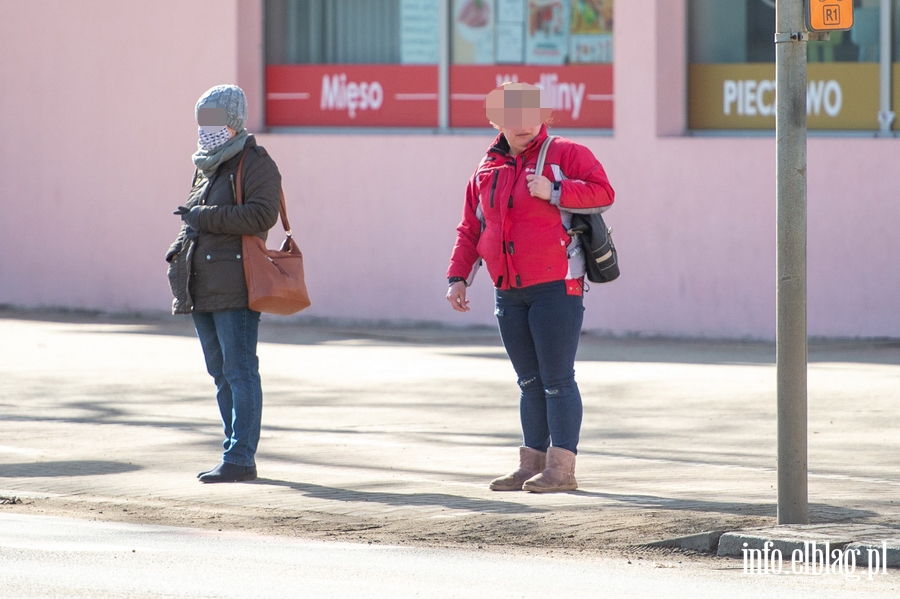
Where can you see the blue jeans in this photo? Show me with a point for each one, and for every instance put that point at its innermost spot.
(540, 326)
(229, 346)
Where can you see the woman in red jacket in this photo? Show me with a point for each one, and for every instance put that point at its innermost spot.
(515, 220)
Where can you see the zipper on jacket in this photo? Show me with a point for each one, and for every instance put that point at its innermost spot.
(518, 281)
(510, 202)
(204, 195)
(493, 188)
(189, 263)
(512, 248)
(233, 189)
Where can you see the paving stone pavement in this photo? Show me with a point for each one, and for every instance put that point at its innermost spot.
(412, 422)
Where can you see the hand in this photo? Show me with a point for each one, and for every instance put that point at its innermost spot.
(456, 295)
(539, 186)
(191, 216)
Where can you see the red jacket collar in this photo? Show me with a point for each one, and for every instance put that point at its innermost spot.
(501, 146)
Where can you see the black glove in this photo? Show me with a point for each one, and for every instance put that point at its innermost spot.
(191, 216)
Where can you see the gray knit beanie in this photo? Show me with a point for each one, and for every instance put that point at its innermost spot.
(229, 97)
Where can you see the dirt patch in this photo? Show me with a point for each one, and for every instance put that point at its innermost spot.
(620, 532)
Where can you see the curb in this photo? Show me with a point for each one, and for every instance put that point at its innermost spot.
(704, 542)
(879, 545)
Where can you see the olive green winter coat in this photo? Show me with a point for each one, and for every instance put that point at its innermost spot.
(206, 273)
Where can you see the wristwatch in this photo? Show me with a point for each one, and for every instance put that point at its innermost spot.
(452, 280)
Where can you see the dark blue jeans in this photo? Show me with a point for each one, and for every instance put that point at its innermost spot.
(229, 346)
(540, 326)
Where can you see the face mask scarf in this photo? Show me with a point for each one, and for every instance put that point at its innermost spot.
(211, 141)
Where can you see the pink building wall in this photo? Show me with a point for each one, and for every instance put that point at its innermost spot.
(96, 130)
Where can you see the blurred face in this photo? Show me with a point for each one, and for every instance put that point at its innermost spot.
(518, 110)
(213, 131)
(519, 137)
(212, 119)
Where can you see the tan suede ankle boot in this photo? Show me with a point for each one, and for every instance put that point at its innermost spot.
(531, 462)
(559, 475)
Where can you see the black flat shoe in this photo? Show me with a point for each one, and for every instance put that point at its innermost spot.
(229, 473)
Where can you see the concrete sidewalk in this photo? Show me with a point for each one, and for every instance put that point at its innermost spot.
(391, 434)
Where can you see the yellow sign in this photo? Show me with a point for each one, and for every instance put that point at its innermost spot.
(829, 15)
(840, 96)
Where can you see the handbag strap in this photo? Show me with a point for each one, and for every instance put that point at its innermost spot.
(239, 194)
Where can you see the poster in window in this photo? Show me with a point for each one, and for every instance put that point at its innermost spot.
(547, 33)
(510, 11)
(590, 39)
(419, 31)
(591, 17)
(473, 27)
(510, 43)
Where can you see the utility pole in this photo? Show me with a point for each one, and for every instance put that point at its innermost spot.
(791, 337)
(885, 114)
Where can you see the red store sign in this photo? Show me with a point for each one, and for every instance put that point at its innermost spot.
(351, 96)
(407, 96)
(583, 94)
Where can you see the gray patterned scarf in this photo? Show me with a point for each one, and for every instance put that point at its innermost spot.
(209, 160)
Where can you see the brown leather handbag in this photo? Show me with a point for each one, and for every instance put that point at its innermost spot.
(275, 282)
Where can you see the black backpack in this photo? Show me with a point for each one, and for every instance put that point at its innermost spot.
(600, 256)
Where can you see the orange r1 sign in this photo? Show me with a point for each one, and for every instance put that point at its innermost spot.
(829, 15)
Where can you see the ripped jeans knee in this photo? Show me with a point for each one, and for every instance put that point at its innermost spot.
(528, 384)
(560, 388)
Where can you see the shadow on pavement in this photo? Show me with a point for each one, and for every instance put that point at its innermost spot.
(211, 430)
(665, 350)
(65, 468)
(453, 502)
(818, 512)
(594, 347)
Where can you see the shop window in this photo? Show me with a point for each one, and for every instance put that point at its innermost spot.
(732, 68)
(352, 62)
(377, 62)
(562, 46)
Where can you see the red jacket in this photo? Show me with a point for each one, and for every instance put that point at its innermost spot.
(524, 240)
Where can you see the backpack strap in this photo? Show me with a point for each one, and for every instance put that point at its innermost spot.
(542, 156)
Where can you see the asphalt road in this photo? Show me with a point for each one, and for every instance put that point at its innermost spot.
(54, 557)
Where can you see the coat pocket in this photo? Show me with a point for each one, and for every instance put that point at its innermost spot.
(173, 274)
(218, 273)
